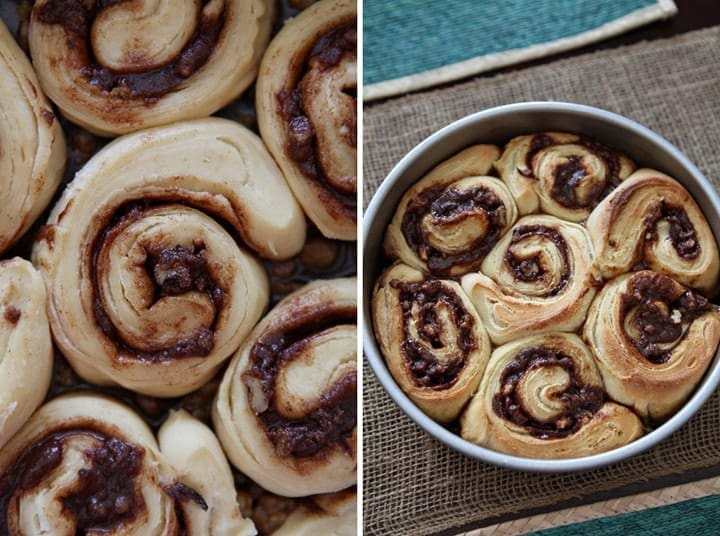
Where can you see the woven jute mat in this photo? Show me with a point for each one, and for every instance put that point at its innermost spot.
(415, 485)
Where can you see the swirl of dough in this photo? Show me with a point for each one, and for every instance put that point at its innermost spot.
(542, 396)
(653, 339)
(448, 221)
(286, 411)
(652, 221)
(115, 67)
(26, 354)
(540, 277)
(563, 174)
(146, 289)
(87, 464)
(334, 513)
(432, 338)
(32, 158)
(306, 110)
(200, 463)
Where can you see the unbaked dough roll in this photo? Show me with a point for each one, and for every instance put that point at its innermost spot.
(26, 354)
(653, 340)
(448, 221)
(543, 397)
(540, 277)
(286, 411)
(651, 220)
(432, 339)
(562, 174)
(86, 464)
(332, 514)
(32, 155)
(117, 67)
(306, 108)
(200, 463)
(148, 288)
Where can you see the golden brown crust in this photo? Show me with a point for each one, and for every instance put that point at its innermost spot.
(540, 277)
(652, 221)
(449, 220)
(543, 397)
(562, 174)
(653, 339)
(432, 339)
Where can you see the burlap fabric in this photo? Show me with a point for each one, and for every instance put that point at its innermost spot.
(412, 483)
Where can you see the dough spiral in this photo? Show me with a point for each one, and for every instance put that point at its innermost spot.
(26, 354)
(117, 67)
(540, 277)
(448, 221)
(653, 339)
(432, 339)
(306, 108)
(147, 289)
(542, 396)
(85, 463)
(562, 174)
(653, 222)
(285, 411)
(32, 158)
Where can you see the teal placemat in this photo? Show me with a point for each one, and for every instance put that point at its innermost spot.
(697, 517)
(411, 44)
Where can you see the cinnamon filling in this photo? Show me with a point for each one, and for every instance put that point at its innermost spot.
(569, 175)
(301, 144)
(174, 271)
(661, 311)
(105, 494)
(335, 415)
(76, 16)
(682, 232)
(529, 268)
(12, 314)
(449, 206)
(419, 302)
(579, 400)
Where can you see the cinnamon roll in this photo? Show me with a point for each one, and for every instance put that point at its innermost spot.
(285, 411)
(432, 339)
(148, 287)
(26, 353)
(651, 221)
(653, 339)
(334, 514)
(306, 109)
(540, 277)
(447, 222)
(562, 174)
(199, 462)
(542, 396)
(32, 158)
(86, 464)
(117, 67)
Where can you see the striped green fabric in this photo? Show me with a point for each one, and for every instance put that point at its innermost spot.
(405, 37)
(696, 517)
